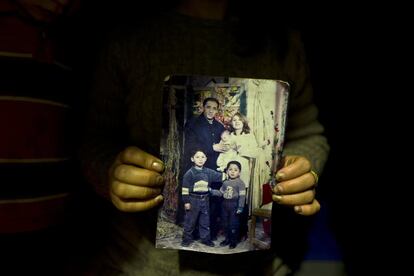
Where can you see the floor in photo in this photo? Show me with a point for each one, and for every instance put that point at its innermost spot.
(170, 236)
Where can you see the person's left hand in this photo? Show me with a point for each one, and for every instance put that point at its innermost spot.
(296, 185)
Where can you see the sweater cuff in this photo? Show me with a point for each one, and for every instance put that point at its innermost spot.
(315, 148)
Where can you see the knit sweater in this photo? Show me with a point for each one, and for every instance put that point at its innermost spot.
(126, 110)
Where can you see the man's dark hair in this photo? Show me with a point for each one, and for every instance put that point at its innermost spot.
(210, 99)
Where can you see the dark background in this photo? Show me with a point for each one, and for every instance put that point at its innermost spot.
(357, 57)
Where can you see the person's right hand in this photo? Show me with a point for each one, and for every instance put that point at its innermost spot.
(135, 181)
(187, 206)
(220, 148)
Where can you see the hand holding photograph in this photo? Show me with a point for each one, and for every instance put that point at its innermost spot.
(221, 143)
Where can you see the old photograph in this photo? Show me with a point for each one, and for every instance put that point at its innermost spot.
(221, 143)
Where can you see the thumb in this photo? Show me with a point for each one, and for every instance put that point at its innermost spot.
(135, 156)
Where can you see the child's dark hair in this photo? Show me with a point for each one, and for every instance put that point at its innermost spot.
(194, 151)
(235, 163)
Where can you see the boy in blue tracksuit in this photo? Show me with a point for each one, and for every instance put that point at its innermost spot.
(195, 193)
(233, 191)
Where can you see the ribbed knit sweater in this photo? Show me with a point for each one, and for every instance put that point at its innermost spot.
(126, 110)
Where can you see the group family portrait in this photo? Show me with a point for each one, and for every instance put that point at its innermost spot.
(222, 139)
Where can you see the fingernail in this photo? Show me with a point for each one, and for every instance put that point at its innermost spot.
(158, 166)
(280, 176)
(298, 209)
(278, 189)
(276, 198)
(159, 198)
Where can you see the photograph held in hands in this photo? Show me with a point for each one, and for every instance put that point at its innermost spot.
(222, 141)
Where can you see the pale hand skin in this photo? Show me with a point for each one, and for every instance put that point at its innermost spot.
(296, 185)
(220, 147)
(135, 181)
(187, 206)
